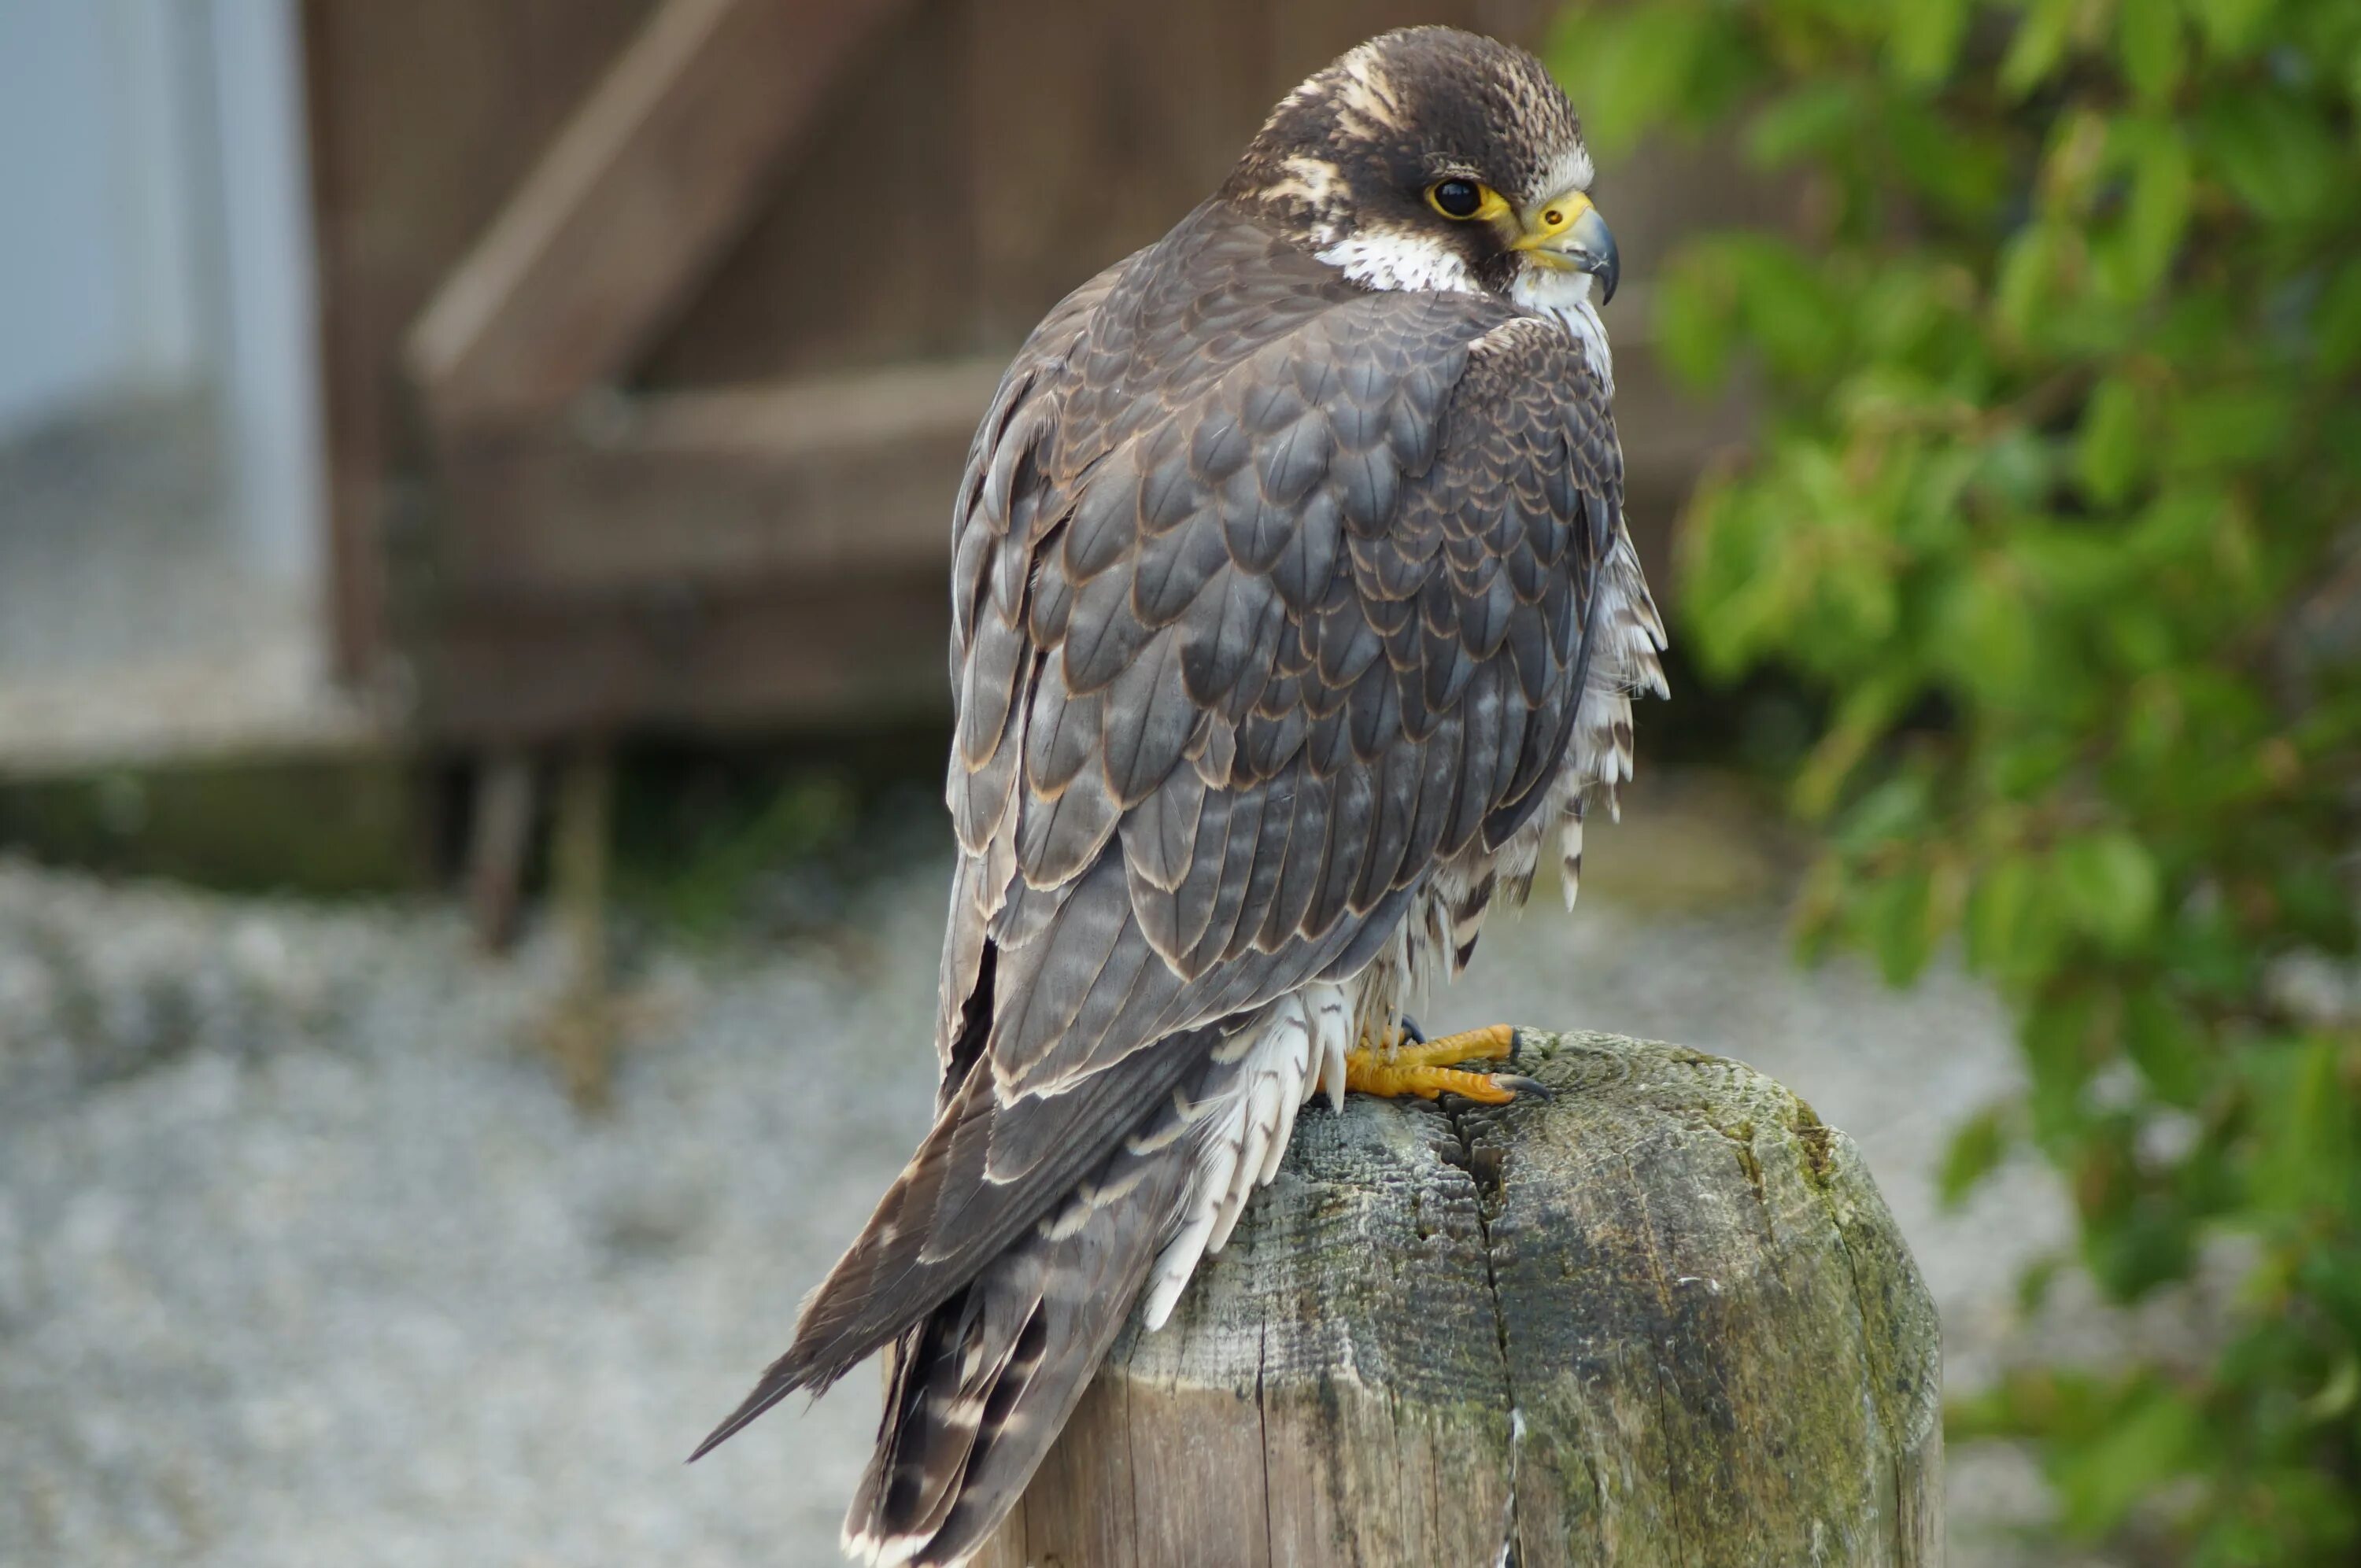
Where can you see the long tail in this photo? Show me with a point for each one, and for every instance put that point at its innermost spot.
(981, 1388)
(985, 1176)
(1006, 1255)
(1001, 1296)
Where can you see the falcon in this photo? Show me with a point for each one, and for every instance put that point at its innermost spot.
(1294, 621)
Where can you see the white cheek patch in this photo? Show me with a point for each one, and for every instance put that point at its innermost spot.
(1384, 258)
(1564, 296)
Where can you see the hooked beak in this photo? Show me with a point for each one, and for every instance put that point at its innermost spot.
(1567, 232)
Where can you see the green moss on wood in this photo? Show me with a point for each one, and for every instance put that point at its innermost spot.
(333, 825)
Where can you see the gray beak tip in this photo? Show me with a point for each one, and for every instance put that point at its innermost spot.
(1597, 253)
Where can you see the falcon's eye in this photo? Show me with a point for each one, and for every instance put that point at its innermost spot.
(1457, 198)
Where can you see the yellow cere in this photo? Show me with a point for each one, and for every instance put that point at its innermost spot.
(1559, 214)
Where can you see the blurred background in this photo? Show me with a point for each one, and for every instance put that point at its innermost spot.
(472, 573)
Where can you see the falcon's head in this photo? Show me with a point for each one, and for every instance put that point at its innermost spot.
(1434, 158)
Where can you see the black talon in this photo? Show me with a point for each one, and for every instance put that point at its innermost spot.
(1523, 1085)
(1410, 1031)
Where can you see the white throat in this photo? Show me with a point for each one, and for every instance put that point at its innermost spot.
(1382, 258)
(1566, 298)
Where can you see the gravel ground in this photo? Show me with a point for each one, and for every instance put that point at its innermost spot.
(303, 1260)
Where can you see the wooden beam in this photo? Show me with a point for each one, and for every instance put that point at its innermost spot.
(499, 841)
(631, 204)
(849, 475)
(835, 479)
(759, 553)
(426, 116)
(741, 656)
(813, 416)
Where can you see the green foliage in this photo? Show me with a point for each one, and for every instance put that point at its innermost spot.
(2056, 500)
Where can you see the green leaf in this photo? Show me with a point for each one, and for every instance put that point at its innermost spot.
(2039, 45)
(1924, 39)
(2158, 216)
(2278, 157)
(2228, 427)
(1978, 1145)
(1901, 918)
(1996, 911)
(2013, 929)
(2231, 26)
(1894, 812)
(2138, 1243)
(2072, 565)
(1860, 724)
(2148, 41)
(2058, 1033)
(1694, 322)
(2337, 329)
(1986, 637)
(1808, 121)
(1631, 68)
(2034, 1285)
(1947, 163)
(2027, 294)
(2137, 1450)
(1788, 303)
(2166, 1046)
(2108, 454)
(2109, 885)
(2309, 1162)
(2141, 638)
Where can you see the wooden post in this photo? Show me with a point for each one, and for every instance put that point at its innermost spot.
(500, 837)
(1659, 1318)
(580, 1032)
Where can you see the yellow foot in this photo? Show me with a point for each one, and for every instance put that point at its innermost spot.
(1425, 1067)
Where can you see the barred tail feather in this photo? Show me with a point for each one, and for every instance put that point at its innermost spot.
(981, 1389)
(946, 1219)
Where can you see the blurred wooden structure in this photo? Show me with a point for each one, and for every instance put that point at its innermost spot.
(655, 329)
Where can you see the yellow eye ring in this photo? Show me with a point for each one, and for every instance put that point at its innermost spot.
(1461, 199)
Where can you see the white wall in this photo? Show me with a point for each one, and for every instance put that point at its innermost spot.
(99, 270)
(268, 363)
(155, 236)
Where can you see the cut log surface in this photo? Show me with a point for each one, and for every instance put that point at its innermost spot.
(1661, 1318)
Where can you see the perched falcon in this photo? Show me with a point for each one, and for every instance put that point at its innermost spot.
(1292, 614)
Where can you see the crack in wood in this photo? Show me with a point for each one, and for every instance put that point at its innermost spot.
(1487, 1167)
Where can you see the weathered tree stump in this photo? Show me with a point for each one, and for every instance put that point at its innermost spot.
(1662, 1317)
